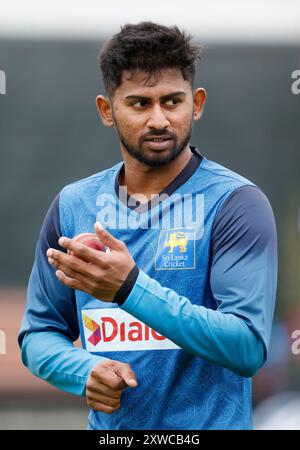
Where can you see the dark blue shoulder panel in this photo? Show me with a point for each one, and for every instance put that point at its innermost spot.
(49, 305)
(244, 259)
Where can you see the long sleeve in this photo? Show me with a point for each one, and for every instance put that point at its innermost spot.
(53, 357)
(50, 323)
(243, 281)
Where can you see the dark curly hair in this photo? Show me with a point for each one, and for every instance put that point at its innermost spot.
(148, 47)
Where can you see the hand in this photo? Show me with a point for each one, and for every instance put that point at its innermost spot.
(106, 383)
(100, 274)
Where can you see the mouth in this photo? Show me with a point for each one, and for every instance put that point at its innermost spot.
(158, 143)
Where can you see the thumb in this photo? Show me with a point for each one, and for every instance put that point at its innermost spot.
(128, 376)
(105, 237)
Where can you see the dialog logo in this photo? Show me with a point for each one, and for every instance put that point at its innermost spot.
(112, 329)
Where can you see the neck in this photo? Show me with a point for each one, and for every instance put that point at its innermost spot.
(147, 180)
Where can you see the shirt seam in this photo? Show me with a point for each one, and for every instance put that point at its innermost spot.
(245, 180)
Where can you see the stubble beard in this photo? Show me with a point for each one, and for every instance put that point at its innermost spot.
(140, 155)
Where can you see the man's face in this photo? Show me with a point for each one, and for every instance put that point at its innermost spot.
(153, 120)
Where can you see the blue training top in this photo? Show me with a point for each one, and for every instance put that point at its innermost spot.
(196, 324)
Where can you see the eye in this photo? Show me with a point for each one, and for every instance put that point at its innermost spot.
(140, 104)
(172, 101)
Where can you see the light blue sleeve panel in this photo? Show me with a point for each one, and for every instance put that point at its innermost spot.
(53, 357)
(242, 280)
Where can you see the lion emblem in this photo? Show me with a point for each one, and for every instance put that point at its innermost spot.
(178, 239)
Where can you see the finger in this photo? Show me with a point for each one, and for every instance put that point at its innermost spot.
(107, 238)
(70, 272)
(68, 281)
(67, 262)
(95, 387)
(78, 284)
(101, 407)
(127, 374)
(109, 378)
(74, 267)
(80, 250)
(100, 398)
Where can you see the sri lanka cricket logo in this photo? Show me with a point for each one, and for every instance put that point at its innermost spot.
(176, 249)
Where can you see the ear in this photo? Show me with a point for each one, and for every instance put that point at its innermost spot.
(199, 97)
(105, 110)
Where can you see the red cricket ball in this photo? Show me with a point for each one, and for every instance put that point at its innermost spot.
(90, 240)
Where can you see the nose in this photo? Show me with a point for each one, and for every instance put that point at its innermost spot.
(157, 118)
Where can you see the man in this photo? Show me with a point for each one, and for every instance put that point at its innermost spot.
(176, 317)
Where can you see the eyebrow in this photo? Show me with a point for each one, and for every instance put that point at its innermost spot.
(164, 97)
